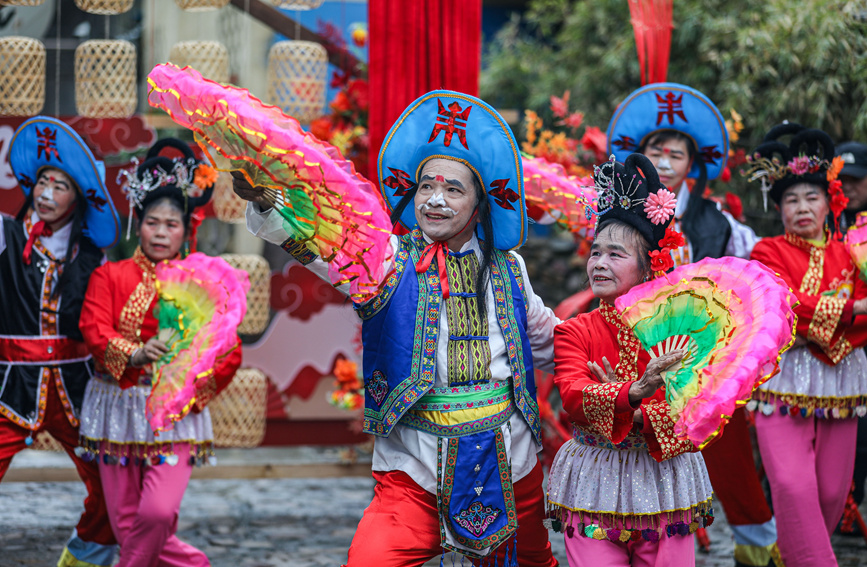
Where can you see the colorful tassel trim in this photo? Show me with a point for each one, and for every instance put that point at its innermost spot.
(769, 403)
(652, 535)
(144, 454)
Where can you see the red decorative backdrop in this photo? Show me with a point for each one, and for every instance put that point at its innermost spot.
(416, 47)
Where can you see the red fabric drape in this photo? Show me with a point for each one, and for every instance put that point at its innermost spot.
(416, 47)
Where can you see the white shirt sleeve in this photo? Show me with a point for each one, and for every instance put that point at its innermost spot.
(540, 325)
(742, 240)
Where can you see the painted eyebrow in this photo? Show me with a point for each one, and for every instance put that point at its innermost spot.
(454, 182)
(45, 177)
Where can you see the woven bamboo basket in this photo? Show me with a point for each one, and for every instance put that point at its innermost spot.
(238, 412)
(201, 5)
(297, 71)
(297, 4)
(259, 296)
(104, 7)
(21, 2)
(22, 76)
(105, 80)
(210, 58)
(45, 442)
(227, 206)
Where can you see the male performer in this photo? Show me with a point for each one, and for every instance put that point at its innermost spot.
(46, 257)
(450, 345)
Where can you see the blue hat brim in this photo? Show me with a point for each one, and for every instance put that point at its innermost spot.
(62, 148)
(670, 106)
(481, 140)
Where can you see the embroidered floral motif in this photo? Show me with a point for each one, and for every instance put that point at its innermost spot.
(477, 517)
(663, 429)
(825, 320)
(377, 386)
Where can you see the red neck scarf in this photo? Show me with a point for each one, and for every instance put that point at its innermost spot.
(439, 249)
(37, 230)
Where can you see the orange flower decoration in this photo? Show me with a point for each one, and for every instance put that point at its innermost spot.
(835, 168)
(205, 177)
(346, 372)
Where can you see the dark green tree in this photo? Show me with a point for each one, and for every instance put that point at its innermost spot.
(799, 60)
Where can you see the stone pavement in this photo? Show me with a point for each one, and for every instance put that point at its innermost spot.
(297, 522)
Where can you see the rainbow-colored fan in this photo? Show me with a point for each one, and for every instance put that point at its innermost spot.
(202, 300)
(327, 206)
(734, 317)
(856, 240)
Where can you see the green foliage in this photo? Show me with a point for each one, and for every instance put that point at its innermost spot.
(799, 60)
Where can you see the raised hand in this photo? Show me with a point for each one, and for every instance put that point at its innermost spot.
(248, 192)
(652, 379)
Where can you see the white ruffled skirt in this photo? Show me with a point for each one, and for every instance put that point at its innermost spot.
(610, 493)
(114, 428)
(807, 386)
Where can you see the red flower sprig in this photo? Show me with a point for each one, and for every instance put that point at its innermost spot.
(661, 260)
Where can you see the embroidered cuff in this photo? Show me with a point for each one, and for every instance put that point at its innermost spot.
(601, 409)
(839, 350)
(658, 430)
(117, 356)
(299, 251)
(825, 321)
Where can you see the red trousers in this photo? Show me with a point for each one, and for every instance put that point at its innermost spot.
(401, 527)
(93, 525)
(733, 474)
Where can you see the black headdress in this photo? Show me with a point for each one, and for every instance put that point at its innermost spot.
(805, 159)
(185, 180)
(631, 193)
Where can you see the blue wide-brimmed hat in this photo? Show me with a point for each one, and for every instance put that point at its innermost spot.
(460, 127)
(47, 142)
(670, 106)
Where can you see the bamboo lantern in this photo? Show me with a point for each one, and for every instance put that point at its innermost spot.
(297, 71)
(227, 206)
(105, 79)
(104, 7)
(21, 2)
(238, 412)
(201, 5)
(210, 58)
(259, 296)
(43, 441)
(22, 76)
(297, 4)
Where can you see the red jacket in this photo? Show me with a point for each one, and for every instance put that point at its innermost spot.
(826, 283)
(605, 408)
(117, 318)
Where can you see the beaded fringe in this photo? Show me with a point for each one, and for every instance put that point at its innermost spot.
(768, 402)
(650, 527)
(145, 454)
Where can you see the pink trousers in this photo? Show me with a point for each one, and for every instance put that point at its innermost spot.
(809, 463)
(143, 505)
(677, 551)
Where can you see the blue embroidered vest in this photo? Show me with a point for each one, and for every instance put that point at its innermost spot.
(400, 331)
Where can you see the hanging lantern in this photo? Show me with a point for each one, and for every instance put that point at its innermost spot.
(43, 441)
(210, 58)
(238, 412)
(297, 4)
(201, 5)
(259, 296)
(104, 7)
(21, 2)
(297, 71)
(227, 206)
(105, 85)
(22, 76)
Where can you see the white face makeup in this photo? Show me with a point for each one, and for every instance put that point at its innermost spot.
(445, 202)
(53, 197)
(664, 165)
(437, 200)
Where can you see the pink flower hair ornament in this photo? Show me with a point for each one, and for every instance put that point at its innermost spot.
(660, 206)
